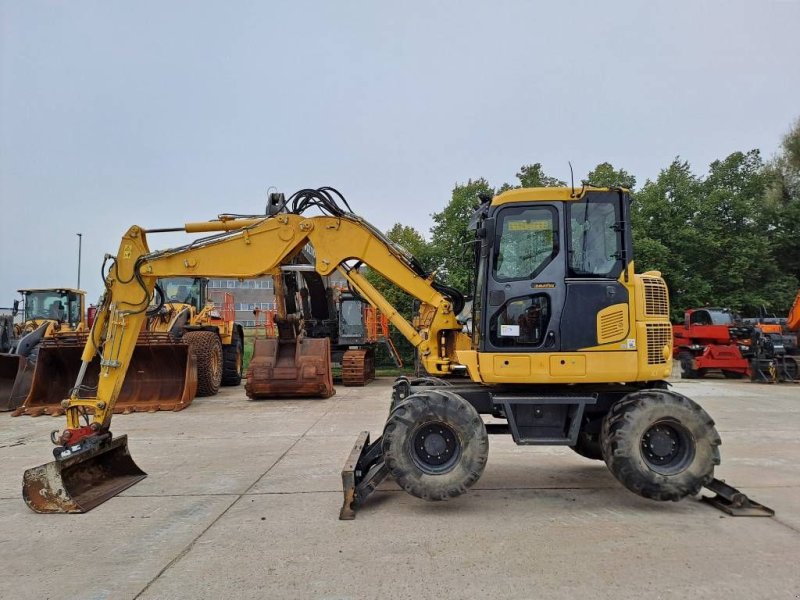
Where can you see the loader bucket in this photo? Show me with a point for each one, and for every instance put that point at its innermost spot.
(16, 373)
(295, 368)
(78, 483)
(162, 375)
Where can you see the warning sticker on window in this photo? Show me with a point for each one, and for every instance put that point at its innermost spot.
(529, 225)
(509, 330)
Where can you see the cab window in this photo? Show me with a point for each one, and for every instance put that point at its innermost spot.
(520, 322)
(526, 241)
(595, 247)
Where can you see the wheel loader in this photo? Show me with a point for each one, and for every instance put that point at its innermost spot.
(217, 340)
(569, 346)
(43, 362)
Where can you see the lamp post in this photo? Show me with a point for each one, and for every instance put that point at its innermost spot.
(80, 240)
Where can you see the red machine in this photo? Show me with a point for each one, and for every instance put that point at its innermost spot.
(712, 338)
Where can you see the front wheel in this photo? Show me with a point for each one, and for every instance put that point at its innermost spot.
(207, 347)
(435, 445)
(660, 445)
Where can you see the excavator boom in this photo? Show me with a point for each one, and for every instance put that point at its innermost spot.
(243, 248)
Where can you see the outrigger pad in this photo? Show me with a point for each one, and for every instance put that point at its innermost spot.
(362, 473)
(730, 500)
(79, 482)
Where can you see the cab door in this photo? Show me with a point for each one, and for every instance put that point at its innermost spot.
(524, 279)
(596, 304)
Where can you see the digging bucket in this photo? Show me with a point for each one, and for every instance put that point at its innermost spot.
(299, 368)
(81, 481)
(162, 375)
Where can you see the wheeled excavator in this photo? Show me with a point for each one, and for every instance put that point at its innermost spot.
(569, 346)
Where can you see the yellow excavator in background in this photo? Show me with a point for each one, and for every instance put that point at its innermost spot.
(569, 346)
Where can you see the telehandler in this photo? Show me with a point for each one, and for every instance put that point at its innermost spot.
(569, 346)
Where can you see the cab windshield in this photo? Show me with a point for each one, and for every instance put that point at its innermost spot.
(184, 290)
(58, 305)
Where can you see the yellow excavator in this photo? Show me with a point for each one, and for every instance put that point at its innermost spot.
(569, 346)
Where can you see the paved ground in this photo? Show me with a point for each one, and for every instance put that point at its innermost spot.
(242, 501)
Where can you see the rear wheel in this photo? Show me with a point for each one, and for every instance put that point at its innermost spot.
(207, 347)
(435, 445)
(233, 359)
(660, 444)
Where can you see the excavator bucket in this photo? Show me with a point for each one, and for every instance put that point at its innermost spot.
(16, 373)
(162, 375)
(79, 482)
(290, 368)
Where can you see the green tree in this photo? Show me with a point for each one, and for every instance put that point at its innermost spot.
(451, 241)
(605, 175)
(533, 176)
(782, 204)
(410, 240)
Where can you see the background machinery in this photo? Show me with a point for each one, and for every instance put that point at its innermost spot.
(46, 312)
(717, 339)
(568, 346)
(44, 362)
(185, 311)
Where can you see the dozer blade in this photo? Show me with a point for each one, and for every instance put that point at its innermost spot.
(16, 373)
(162, 375)
(78, 483)
(298, 368)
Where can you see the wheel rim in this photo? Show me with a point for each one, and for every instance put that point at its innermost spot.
(667, 447)
(435, 448)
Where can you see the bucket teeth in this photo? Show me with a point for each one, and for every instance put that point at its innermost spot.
(78, 483)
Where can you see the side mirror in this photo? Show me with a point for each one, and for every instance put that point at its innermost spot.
(15, 310)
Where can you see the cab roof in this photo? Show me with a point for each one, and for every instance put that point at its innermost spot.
(60, 290)
(548, 194)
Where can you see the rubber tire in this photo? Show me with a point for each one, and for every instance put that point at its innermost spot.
(631, 417)
(687, 372)
(233, 360)
(435, 406)
(401, 388)
(207, 347)
(588, 446)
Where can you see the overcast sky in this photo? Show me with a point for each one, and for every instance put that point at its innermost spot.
(154, 113)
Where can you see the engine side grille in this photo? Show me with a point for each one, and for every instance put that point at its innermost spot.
(658, 336)
(656, 298)
(612, 326)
